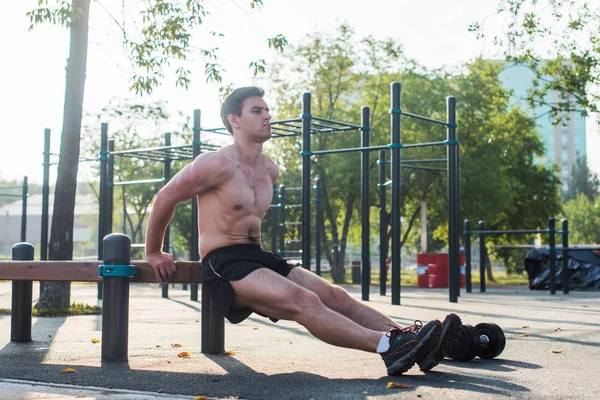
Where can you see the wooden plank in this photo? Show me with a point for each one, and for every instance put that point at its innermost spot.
(87, 271)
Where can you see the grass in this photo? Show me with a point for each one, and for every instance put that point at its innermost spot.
(73, 309)
(409, 278)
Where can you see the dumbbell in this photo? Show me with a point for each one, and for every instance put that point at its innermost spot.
(485, 340)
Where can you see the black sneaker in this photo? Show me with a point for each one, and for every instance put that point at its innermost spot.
(409, 345)
(449, 334)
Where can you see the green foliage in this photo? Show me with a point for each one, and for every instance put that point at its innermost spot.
(584, 219)
(161, 33)
(571, 29)
(582, 181)
(73, 309)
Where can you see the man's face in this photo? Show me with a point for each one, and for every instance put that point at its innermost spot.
(255, 120)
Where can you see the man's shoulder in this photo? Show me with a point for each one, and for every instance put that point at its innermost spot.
(219, 161)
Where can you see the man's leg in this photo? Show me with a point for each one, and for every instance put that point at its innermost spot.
(339, 300)
(272, 294)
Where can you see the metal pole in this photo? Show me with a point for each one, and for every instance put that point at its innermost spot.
(167, 238)
(282, 221)
(274, 219)
(566, 276)
(468, 255)
(102, 187)
(22, 291)
(482, 252)
(24, 210)
(382, 226)
(45, 196)
(318, 225)
(552, 260)
(453, 226)
(306, 122)
(366, 227)
(115, 306)
(194, 251)
(396, 112)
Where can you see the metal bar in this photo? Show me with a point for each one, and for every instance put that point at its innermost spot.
(422, 118)
(425, 168)
(426, 160)
(306, 167)
(102, 186)
(194, 251)
(552, 255)
(46, 197)
(167, 237)
(382, 226)
(12, 195)
(365, 204)
(349, 150)
(453, 210)
(24, 210)
(482, 252)
(565, 256)
(396, 90)
(337, 122)
(518, 231)
(139, 182)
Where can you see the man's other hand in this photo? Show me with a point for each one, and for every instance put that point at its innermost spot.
(163, 265)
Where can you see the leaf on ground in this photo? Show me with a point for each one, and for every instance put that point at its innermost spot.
(168, 361)
(197, 320)
(201, 398)
(94, 340)
(228, 353)
(175, 345)
(68, 370)
(557, 329)
(527, 334)
(558, 351)
(585, 306)
(392, 385)
(254, 329)
(525, 327)
(184, 354)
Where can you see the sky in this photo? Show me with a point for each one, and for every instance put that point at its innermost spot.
(32, 84)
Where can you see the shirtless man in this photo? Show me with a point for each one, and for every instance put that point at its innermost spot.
(233, 187)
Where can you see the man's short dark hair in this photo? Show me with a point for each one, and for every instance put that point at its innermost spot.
(235, 100)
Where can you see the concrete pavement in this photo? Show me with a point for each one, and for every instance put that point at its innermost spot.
(552, 351)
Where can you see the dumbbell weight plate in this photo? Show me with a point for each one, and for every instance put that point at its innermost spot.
(496, 340)
(466, 346)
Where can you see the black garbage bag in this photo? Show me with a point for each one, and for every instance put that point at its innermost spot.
(584, 269)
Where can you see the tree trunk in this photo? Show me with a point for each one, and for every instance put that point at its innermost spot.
(60, 247)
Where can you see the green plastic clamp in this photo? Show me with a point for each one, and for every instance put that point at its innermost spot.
(110, 270)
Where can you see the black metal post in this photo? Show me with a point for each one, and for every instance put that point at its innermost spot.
(45, 197)
(318, 225)
(453, 225)
(24, 210)
(566, 275)
(213, 327)
(102, 187)
(306, 122)
(468, 255)
(382, 226)
(167, 238)
(396, 112)
(282, 221)
(115, 307)
(552, 250)
(22, 291)
(482, 252)
(194, 251)
(366, 226)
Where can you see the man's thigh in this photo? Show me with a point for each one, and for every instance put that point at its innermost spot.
(328, 293)
(269, 293)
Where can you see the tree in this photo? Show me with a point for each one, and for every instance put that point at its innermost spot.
(582, 181)
(570, 30)
(162, 35)
(584, 219)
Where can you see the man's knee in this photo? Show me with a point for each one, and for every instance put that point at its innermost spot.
(306, 302)
(337, 298)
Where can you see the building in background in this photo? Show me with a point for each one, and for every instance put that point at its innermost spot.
(564, 142)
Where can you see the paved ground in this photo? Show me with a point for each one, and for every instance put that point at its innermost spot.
(283, 361)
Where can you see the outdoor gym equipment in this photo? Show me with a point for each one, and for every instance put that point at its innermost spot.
(485, 340)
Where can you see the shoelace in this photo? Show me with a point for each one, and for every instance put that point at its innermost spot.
(414, 328)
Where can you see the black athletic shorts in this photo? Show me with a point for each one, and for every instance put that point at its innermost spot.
(232, 263)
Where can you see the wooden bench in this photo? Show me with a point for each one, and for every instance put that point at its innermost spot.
(115, 308)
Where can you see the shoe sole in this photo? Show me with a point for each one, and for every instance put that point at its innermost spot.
(421, 350)
(449, 334)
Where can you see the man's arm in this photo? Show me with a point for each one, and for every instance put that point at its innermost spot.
(207, 171)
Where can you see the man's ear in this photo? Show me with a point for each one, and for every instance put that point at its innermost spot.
(233, 120)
